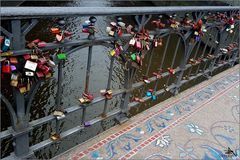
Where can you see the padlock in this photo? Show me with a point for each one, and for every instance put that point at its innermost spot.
(117, 50)
(132, 42)
(133, 56)
(111, 33)
(58, 114)
(6, 45)
(108, 29)
(67, 33)
(155, 43)
(26, 56)
(154, 97)
(14, 76)
(59, 37)
(40, 74)
(42, 44)
(49, 75)
(55, 30)
(6, 68)
(13, 68)
(138, 44)
(129, 28)
(51, 63)
(88, 96)
(196, 33)
(42, 61)
(45, 69)
(160, 42)
(85, 25)
(36, 41)
(61, 56)
(14, 83)
(122, 24)
(23, 89)
(85, 30)
(138, 59)
(112, 52)
(30, 65)
(87, 124)
(29, 74)
(13, 60)
(1, 40)
(114, 24)
(34, 57)
(55, 136)
(28, 85)
(120, 32)
(149, 94)
(171, 71)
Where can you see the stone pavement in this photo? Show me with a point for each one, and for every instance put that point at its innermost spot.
(200, 123)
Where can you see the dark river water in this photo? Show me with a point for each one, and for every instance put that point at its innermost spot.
(74, 79)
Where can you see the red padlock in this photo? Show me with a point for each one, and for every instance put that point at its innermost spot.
(39, 74)
(1, 40)
(6, 68)
(42, 61)
(171, 71)
(42, 44)
(85, 30)
(26, 56)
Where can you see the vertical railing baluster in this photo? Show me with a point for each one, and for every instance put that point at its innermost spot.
(163, 58)
(174, 57)
(148, 68)
(211, 48)
(194, 57)
(188, 51)
(86, 90)
(108, 85)
(222, 41)
(203, 53)
(59, 94)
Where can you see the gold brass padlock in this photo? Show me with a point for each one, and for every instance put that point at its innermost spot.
(112, 52)
(23, 89)
(28, 85)
(111, 33)
(14, 83)
(55, 136)
(34, 57)
(49, 75)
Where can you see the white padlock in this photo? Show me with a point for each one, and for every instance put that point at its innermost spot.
(30, 65)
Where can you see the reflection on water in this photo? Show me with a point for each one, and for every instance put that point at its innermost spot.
(74, 79)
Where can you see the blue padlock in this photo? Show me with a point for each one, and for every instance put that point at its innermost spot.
(154, 98)
(85, 25)
(198, 38)
(6, 45)
(148, 94)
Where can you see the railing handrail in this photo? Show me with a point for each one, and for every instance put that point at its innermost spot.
(41, 12)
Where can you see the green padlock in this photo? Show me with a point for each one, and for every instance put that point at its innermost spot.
(62, 56)
(134, 57)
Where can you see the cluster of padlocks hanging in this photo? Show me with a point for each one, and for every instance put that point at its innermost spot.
(23, 71)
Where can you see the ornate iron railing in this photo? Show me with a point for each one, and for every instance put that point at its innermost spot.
(216, 53)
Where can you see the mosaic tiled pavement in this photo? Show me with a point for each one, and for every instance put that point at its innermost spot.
(200, 123)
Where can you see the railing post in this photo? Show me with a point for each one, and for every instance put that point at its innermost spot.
(21, 142)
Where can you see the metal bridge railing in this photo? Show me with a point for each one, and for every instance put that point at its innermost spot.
(18, 21)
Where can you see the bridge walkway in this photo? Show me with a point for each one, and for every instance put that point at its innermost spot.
(201, 122)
